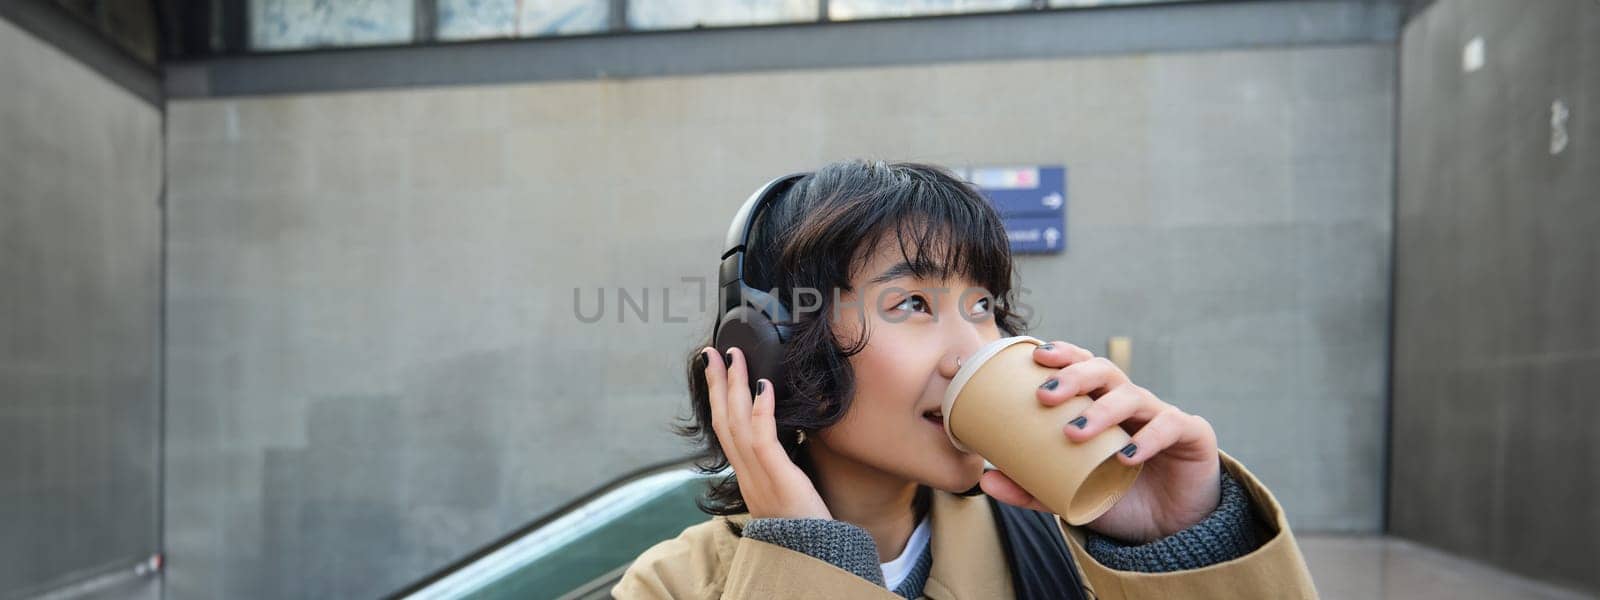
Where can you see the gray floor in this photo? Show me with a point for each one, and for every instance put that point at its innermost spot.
(1379, 567)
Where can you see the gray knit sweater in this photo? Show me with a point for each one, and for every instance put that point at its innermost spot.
(1230, 531)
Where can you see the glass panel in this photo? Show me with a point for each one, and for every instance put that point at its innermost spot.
(477, 19)
(559, 17)
(1078, 3)
(685, 14)
(845, 10)
(286, 24)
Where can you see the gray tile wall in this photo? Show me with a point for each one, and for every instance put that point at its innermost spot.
(80, 244)
(1497, 336)
(376, 367)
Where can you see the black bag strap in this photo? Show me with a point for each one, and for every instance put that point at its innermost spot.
(1041, 565)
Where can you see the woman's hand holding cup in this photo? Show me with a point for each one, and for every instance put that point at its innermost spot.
(1181, 479)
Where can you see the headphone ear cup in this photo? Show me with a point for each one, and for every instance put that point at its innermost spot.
(758, 338)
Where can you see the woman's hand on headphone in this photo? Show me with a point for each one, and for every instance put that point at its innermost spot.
(1181, 482)
(771, 484)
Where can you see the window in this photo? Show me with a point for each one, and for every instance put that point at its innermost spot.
(845, 10)
(478, 19)
(1082, 3)
(266, 25)
(289, 24)
(687, 14)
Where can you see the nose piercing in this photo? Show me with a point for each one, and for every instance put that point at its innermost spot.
(958, 363)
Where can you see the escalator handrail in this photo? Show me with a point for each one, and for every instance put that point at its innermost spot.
(676, 464)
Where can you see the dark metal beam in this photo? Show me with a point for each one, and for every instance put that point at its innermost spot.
(617, 13)
(425, 20)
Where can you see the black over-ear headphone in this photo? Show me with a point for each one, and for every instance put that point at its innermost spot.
(755, 321)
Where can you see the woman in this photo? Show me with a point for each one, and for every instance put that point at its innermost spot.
(848, 487)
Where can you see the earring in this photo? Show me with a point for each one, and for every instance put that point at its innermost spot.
(800, 436)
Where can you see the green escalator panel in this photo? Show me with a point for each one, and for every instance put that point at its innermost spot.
(599, 551)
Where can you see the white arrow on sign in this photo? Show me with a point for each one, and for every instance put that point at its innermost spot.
(1052, 201)
(1050, 237)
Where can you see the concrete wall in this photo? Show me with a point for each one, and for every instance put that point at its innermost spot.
(376, 366)
(80, 243)
(1497, 340)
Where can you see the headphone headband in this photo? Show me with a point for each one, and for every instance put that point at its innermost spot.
(731, 280)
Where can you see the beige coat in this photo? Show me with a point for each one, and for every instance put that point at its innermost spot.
(709, 561)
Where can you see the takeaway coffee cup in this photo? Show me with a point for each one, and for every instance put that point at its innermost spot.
(992, 408)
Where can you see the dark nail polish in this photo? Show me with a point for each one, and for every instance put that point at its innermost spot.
(1050, 384)
(1129, 450)
(701, 361)
(1079, 422)
(761, 386)
(728, 358)
(1047, 347)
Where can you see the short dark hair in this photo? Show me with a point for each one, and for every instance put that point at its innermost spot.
(813, 238)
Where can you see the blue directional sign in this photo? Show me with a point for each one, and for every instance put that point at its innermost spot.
(1036, 235)
(1031, 200)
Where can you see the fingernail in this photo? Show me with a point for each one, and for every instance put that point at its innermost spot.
(701, 361)
(729, 357)
(1129, 450)
(761, 386)
(1047, 347)
(1079, 422)
(1050, 384)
